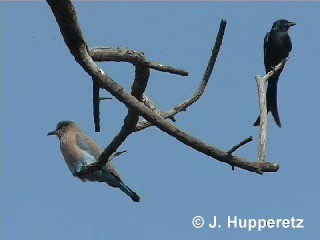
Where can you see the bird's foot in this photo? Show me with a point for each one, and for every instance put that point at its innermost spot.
(273, 70)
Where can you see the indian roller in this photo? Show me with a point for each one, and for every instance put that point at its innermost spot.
(80, 150)
(277, 46)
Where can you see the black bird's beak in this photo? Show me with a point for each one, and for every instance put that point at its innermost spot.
(290, 24)
(51, 133)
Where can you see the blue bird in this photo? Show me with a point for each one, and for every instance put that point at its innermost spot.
(80, 150)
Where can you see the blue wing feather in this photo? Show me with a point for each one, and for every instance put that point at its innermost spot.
(88, 145)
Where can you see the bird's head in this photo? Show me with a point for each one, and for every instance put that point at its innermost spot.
(282, 25)
(61, 128)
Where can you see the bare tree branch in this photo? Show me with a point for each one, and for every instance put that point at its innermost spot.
(275, 69)
(96, 106)
(116, 154)
(138, 87)
(163, 68)
(108, 54)
(96, 99)
(117, 54)
(147, 101)
(263, 109)
(263, 118)
(104, 98)
(184, 105)
(236, 147)
(66, 18)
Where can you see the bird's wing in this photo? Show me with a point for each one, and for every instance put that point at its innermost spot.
(265, 49)
(287, 45)
(87, 144)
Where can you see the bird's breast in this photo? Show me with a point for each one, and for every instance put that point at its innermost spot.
(279, 44)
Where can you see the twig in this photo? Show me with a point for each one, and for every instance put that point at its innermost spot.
(105, 98)
(184, 105)
(236, 147)
(116, 154)
(275, 69)
(96, 106)
(164, 68)
(116, 54)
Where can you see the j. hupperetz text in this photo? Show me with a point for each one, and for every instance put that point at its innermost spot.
(234, 222)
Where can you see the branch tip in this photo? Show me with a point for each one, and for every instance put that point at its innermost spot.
(105, 98)
(236, 147)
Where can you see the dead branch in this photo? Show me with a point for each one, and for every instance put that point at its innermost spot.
(236, 147)
(104, 98)
(262, 152)
(116, 54)
(184, 105)
(67, 20)
(147, 101)
(275, 69)
(116, 154)
(263, 118)
(96, 106)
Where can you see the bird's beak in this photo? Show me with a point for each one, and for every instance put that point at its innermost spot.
(290, 24)
(51, 133)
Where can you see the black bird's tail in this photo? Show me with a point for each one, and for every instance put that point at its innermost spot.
(257, 122)
(124, 188)
(271, 102)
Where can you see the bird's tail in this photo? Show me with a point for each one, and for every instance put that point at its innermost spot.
(275, 114)
(124, 188)
(271, 102)
(257, 122)
(109, 177)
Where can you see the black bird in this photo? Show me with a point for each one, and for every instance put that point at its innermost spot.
(277, 45)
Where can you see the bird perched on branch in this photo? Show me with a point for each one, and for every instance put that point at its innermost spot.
(277, 46)
(80, 150)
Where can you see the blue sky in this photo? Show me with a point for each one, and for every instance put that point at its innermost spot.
(42, 85)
